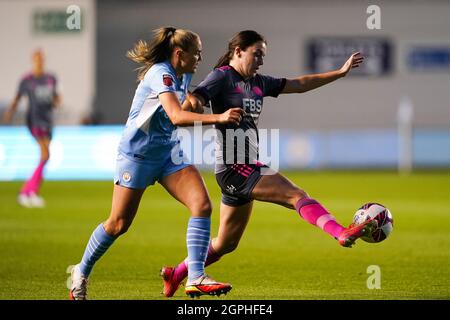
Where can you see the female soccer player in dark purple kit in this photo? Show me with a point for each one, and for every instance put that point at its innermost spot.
(40, 89)
(235, 83)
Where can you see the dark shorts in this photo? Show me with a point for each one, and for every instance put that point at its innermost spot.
(237, 183)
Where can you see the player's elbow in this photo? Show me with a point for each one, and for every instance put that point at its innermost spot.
(196, 104)
(179, 119)
(298, 85)
(175, 118)
(176, 121)
(302, 85)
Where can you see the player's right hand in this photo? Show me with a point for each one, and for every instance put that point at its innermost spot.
(354, 61)
(232, 116)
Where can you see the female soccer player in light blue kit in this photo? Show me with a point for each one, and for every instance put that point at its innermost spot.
(145, 156)
(235, 81)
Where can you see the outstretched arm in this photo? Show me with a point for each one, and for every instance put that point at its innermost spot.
(313, 81)
(7, 116)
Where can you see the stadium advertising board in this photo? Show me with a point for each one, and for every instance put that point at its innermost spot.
(328, 53)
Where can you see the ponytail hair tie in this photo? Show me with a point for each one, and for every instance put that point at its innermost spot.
(171, 32)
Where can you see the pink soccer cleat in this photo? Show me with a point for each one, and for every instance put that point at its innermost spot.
(170, 283)
(348, 236)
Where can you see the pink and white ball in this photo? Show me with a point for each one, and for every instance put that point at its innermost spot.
(381, 214)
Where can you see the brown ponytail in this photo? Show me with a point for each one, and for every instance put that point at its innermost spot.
(243, 40)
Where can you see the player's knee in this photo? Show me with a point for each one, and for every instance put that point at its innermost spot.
(202, 208)
(116, 227)
(45, 156)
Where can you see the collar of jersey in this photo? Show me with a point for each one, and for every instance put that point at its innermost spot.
(239, 75)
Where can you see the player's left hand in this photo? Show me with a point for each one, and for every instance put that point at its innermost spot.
(353, 62)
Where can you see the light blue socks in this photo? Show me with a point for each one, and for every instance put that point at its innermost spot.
(197, 238)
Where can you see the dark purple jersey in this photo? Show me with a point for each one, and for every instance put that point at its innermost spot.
(40, 92)
(225, 88)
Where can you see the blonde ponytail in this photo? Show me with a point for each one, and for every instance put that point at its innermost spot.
(164, 41)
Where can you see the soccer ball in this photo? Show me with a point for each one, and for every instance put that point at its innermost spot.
(382, 216)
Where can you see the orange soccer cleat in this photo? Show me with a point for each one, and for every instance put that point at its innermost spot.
(206, 286)
(348, 236)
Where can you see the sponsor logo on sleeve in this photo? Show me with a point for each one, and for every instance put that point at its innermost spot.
(167, 80)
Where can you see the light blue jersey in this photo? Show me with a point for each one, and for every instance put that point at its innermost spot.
(148, 139)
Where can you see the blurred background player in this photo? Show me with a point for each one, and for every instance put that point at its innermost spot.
(235, 82)
(145, 156)
(40, 88)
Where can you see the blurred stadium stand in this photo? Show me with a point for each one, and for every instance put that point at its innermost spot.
(352, 123)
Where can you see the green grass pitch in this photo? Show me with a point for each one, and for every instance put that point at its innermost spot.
(280, 256)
